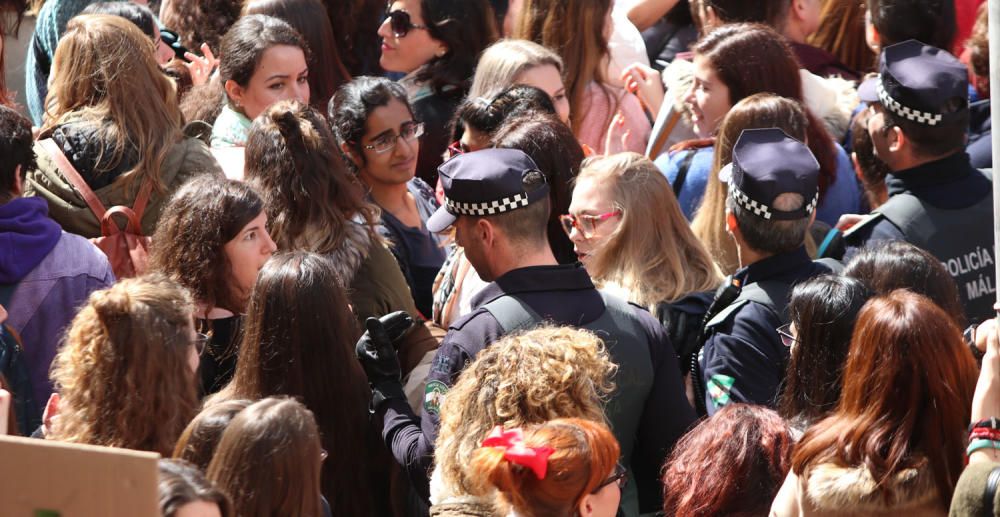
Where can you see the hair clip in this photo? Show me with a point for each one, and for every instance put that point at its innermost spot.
(516, 452)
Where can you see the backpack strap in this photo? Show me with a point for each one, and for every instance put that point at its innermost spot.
(71, 174)
(74, 177)
(512, 313)
(989, 494)
(682, 172)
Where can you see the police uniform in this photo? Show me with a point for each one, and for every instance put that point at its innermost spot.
(648, 410)
(944, 206)
(743, 359)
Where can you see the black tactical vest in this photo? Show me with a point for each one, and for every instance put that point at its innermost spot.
(961, 239)
(628, 347)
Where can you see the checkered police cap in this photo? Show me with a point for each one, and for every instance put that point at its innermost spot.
(766, 164)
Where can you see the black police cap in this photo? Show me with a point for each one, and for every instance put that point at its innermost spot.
(768, 163)
(915, 81)
(486, 182)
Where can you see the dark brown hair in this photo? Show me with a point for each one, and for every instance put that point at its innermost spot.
(907, 395)
(196, 224)
(268, 460)
(299, 329)
(552, 146)
(730, 464)
(292, 158)
(310, 19)
(888, 266)
(751, 58)
(200, 21)
(823, 310)
(182, 483)
(467, 27)
(201, 436)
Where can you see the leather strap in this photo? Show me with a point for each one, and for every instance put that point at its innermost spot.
(71, 174)
(74, 177)
(992, 481)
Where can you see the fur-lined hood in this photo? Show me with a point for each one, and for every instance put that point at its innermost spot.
(347, 259)
(833, 488)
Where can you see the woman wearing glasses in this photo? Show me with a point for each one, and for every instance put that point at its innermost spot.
(563, 467)
(629, 232)
(380, 140)
(126, 374)
(437, 44)
(212, 239)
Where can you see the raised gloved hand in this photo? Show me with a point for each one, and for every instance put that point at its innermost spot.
(376, 350)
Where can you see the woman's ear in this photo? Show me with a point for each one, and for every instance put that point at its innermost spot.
(235, 93)
(351, 155)
(586, 507)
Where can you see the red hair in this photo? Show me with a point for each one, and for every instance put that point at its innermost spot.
(908, 385)
(733, 464)
(585, 454)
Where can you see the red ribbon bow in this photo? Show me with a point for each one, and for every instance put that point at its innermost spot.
(516, 452)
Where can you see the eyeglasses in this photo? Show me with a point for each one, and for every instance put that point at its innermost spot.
(200, 342)
(401, 25)
(386, 143)
(619, 476)
(456, 148)
(787, 338)
(585, 224)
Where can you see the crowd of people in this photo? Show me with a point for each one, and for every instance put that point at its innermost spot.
(588, 258)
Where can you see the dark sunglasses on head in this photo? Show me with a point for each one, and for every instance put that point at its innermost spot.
(401, 25)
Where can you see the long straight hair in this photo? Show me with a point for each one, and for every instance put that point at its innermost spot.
(750, 58)
(756, 111)
(907, 394)
(103, 66)
(574, 29)
(268, 460)
(298, 341)
(652, 254)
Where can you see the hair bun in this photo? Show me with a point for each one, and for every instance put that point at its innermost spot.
(111, 304)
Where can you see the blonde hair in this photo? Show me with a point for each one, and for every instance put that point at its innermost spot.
(527, 378)
(652, 254)
(760, 110)
(105, 74)
(123, 374)
(504, 61)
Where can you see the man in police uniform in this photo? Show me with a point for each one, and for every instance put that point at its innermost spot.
(773, 191)
(937, 200)
(498, 203)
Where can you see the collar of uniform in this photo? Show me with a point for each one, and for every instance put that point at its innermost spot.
(774, 265)
(946, 170)
(568, 277)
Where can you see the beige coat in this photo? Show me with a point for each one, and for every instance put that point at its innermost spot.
(833, 491)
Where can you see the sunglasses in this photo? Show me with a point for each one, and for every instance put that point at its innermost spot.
(619, 476)
(401, 25)
(787, 338)
(585, 224)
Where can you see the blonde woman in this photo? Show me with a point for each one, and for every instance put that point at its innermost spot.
(126, 374)
(523, 379)
(629, 232)
(516, 61)
(103, 66)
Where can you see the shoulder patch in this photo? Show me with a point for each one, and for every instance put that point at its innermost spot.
(433, 396)
(719, 387)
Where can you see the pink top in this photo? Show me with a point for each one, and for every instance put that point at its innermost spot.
(594, 127)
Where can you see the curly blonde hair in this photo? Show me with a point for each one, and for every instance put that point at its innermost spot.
(527, 378)
(123, 374)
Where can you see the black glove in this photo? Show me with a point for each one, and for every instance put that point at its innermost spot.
(376, 350)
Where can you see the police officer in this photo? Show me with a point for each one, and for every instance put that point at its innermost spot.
(498, 203)
(937, 200)
(773, 191)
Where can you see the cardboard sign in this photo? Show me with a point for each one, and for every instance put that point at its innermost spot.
(53, 479)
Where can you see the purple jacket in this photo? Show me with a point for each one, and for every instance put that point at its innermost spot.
(51, 284)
